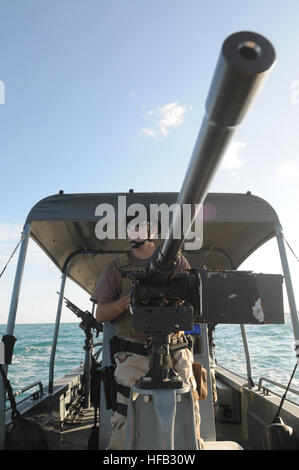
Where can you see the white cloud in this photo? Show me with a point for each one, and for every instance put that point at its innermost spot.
(164, 118)
(231, 159)
(149, 132)
(288, 170)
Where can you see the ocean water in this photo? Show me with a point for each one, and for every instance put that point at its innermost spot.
(32, 352)
(271, 351)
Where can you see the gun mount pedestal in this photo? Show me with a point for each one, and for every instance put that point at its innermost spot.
(161, 374)
(161, 419)
(161, 407)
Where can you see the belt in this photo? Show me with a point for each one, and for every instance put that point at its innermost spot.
(131, 346)
(176, 344)
(121, 409)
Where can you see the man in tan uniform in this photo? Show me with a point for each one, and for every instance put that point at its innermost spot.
(112, 294)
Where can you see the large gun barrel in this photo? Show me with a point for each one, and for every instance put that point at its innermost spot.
(244, 62)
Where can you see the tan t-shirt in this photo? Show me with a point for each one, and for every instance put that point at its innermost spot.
(111, 286)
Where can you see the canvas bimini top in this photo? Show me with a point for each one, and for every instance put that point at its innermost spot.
(234, 226)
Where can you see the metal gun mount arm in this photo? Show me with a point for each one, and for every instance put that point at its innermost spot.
(244, 62)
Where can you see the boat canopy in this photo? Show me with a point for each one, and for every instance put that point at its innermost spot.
(235, 225)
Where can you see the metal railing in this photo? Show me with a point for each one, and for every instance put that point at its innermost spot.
(34, 395)
(277, 384)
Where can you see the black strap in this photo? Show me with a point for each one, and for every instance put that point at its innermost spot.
(130, 346)
(10, 393)
(125, 391)
(118, 344)
(121, 409)
(9, 342)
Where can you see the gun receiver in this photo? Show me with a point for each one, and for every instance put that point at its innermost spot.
(244, 63)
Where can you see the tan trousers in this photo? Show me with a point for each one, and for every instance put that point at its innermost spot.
(129, 368)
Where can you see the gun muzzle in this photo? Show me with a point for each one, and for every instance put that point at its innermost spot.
(244, 63)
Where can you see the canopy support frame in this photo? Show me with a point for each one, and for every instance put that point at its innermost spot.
(12, 320)
(288, 285)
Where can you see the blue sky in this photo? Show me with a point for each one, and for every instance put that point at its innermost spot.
(104, 96)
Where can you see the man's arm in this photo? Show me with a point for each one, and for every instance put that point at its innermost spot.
(106, 295)
(183, 264)
(108, 311)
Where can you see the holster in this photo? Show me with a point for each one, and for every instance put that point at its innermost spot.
(115, 342)
(111, 387)
(109, 384)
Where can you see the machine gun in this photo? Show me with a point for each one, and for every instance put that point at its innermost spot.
(87, 324)
(163, 302)
(88, 320)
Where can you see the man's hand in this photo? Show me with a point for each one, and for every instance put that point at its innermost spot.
(111, 310)
(123, 302)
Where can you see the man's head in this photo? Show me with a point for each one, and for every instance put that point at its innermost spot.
(140, 232)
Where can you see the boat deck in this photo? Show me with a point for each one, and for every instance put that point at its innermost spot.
(230, 432)
(75, 435)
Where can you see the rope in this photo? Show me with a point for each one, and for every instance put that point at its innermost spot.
(11, 256)
(291, 249)
(276, 417)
